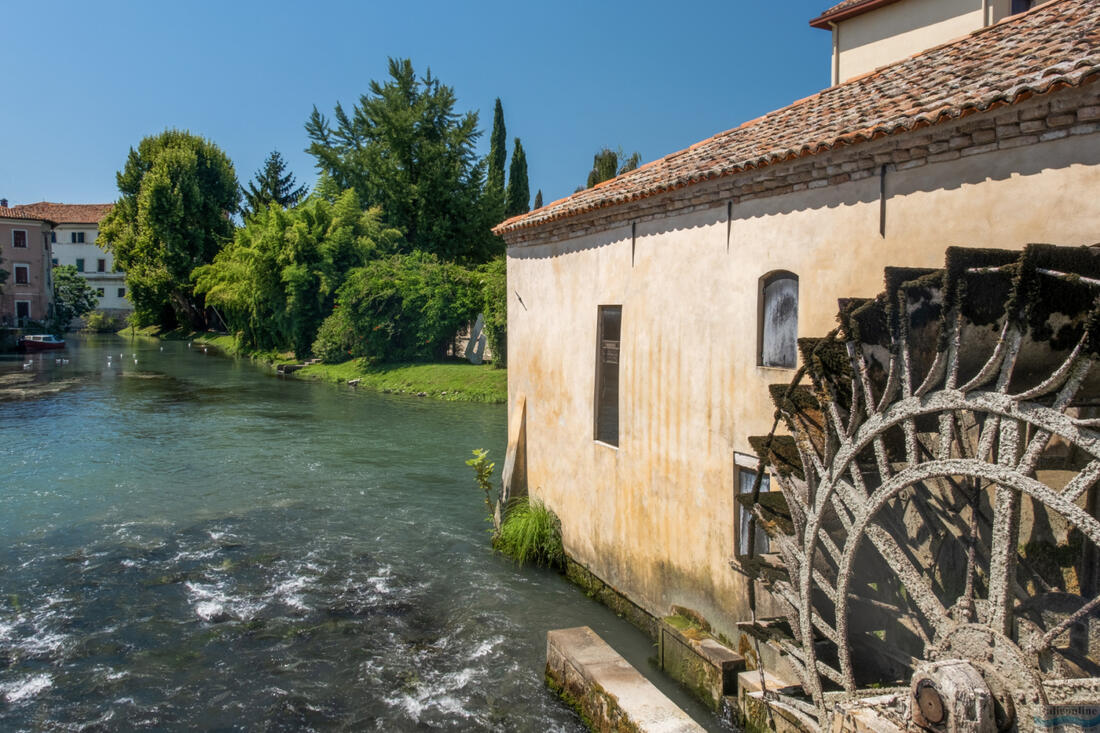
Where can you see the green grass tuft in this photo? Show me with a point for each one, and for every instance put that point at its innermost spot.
(531, 534)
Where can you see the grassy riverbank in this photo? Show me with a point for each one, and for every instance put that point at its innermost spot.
(456, 381)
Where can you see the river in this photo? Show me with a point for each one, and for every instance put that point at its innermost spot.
(191, 543)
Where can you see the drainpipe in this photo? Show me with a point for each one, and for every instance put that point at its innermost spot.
(836, 51)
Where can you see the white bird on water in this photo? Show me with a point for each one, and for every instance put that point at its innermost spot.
(28, 365)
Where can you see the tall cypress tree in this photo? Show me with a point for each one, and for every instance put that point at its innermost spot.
(538, 200)
(519, 194)
(272, 184)
(494, 185)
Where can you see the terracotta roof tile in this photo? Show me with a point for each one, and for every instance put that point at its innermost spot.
(63, 213)
(847, 9)
(11, 213)
(1054, 45)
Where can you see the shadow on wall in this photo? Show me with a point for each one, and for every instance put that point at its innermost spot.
(887, 184)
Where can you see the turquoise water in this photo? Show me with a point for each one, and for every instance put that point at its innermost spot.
(191, 543)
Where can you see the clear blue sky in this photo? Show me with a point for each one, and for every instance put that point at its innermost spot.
(85, 81)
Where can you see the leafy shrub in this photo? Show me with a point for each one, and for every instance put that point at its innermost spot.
(494, 292)
(531, 533)
(100, 322)
(398, 309)
(483, 471)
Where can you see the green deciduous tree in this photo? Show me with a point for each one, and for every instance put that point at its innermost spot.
(605, 165)
(73, 297)
(494, 293)
(519, 193)
(272, 184)
(178, 192)
(277, 281)
(404, 147)
(494, 186)
(538, 200)
(399, 308)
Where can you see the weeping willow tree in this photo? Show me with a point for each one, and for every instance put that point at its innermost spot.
(276, 281)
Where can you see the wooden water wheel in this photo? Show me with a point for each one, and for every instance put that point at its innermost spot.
(937, 535)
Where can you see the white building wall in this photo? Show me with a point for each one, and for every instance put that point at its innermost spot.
(66, 252)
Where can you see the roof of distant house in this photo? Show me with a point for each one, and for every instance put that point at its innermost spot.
(1054, 45)
(847, 9)
(10, 213)
(62, 213)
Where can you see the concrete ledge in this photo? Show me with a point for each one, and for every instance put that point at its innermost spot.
(699, 662)
(605, 689)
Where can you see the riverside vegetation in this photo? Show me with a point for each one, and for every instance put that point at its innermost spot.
(530, 532)
(373, 272)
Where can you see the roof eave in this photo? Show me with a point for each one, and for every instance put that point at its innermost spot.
(827, 19)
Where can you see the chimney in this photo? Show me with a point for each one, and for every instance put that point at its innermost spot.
(3, 203)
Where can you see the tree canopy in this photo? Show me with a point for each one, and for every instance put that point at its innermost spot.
(605, 165)
(405, 148)
(277, 281)
(519, 192)
(494, 187)
(272, 184)
(73, 297)
(178, 192)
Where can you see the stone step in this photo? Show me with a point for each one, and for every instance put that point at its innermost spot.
(605, 689)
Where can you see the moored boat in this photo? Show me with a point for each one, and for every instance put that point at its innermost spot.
(41, 342)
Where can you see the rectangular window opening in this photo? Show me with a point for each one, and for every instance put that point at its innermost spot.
(122, 292)
(22, 310)
(80, 264)
(19, 238)
(100, 292)
(746, 477)
(101, 265)
(609, 330)
(22, 274)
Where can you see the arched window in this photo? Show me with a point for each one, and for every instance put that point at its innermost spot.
(778, 320)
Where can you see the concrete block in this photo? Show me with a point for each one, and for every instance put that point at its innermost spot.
(700, 663)
(605, 689)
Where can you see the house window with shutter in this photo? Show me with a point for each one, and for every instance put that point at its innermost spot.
(608, 333)
(745, 468)
(19, 238)
(778, 320)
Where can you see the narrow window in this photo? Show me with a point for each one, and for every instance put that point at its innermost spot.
(80, 264)
(72, 237)
(19, 238)
(100, 292)
(80, 237)
(744, 477)
(53, 237)
(609, 329)
(122, 292)
(101, 265)
(53, 261)
(22, 274)
(22, 310)
(778, 324)
(1020, 6)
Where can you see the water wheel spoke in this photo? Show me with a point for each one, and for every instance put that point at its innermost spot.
(1082, 482)
(1005, 534)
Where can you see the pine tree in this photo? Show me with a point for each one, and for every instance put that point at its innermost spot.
(273, 185)
(605, 165)
(538, 200)
(494, 187)
(519, 194)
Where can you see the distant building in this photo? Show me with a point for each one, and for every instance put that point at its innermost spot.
(648, 315)
(73, 242)
(25, 255)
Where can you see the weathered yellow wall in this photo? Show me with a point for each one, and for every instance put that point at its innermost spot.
(899, 30)
(654, 517)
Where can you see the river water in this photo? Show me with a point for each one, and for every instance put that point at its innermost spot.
(188, 542)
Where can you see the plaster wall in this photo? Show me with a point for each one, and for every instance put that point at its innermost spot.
(36, 255)
(899, 30)
(654, 517)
